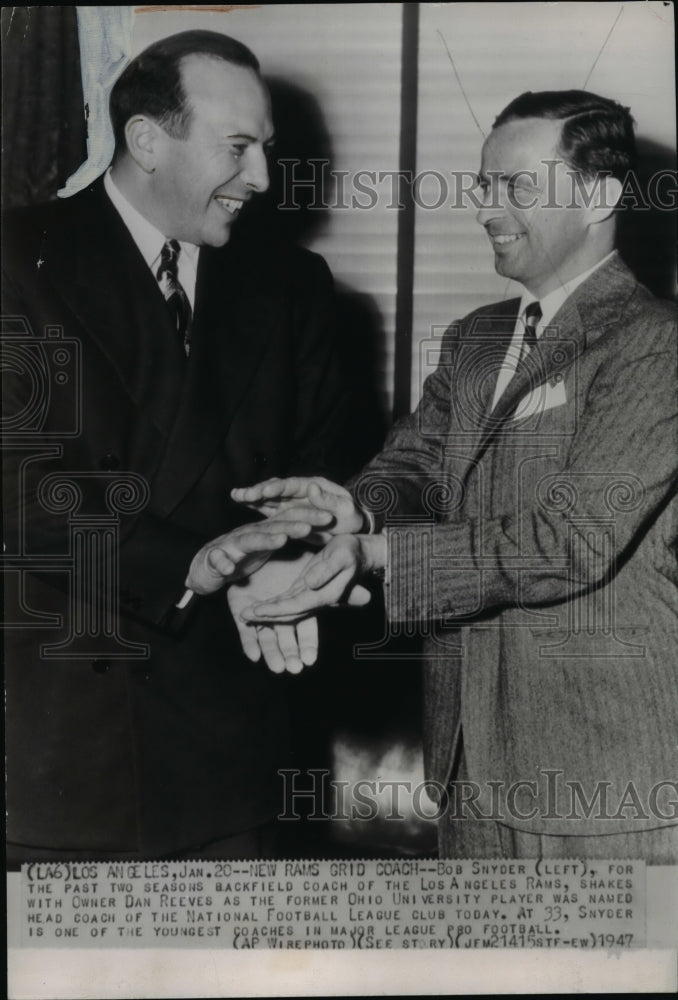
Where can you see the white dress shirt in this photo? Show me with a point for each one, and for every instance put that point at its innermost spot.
(550, 304)
(150, 240)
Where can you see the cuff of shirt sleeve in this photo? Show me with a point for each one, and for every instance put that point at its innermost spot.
(369, 525)
(185, 600)
(386, 572)
(376, 568)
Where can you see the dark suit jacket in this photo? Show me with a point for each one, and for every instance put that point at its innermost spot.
(108, 752)
(541, 555)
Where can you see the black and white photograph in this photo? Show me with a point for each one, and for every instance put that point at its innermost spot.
(340, 498)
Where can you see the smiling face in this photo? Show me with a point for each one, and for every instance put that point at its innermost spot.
(200, 182)
(540, 231)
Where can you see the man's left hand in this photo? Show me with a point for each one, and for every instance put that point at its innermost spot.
(245, 549)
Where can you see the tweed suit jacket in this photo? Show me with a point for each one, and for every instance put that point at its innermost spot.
(538, 550)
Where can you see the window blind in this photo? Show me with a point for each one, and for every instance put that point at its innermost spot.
(500, 50)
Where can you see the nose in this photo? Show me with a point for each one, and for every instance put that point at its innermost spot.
(490, 207)
(255, 172)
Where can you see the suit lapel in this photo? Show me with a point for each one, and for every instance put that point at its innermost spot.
(101, 274)
(482, 349)
(232, 323)
(552, 354)
(596, 304)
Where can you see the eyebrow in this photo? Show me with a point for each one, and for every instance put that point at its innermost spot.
(251, 138)
(502, 176)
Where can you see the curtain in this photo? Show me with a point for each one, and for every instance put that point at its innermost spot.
(43, 119)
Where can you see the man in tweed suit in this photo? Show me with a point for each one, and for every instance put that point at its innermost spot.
(526, 514)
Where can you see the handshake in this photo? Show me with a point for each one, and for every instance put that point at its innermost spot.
(274, 588)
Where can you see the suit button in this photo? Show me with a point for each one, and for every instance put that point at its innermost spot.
(101, 666)
(109, 462)
(130, 600)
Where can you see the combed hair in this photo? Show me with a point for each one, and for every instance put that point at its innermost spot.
(597, 135)
(151, 84)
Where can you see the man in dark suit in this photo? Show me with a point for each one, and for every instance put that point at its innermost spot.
(527, 514)
(152, 363)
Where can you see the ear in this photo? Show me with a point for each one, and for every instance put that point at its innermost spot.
(141, 134)
(603, 195)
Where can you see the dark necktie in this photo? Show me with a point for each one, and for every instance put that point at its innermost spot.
(175, 296)
(532, 317)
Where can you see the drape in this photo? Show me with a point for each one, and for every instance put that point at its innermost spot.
(43, 114)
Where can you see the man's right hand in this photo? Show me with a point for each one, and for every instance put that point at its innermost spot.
(299, 495)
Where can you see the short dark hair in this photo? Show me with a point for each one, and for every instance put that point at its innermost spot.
(597, 134)
(151, 84)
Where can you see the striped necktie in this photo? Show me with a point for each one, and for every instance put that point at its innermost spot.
(175, 296)
(531, 319)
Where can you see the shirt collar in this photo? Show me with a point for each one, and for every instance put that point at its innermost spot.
(148, 239)
(551, 303)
